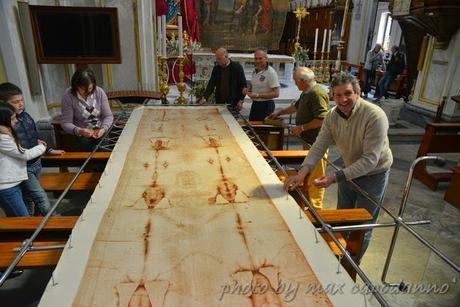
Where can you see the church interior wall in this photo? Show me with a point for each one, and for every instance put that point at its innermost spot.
(439, 77)
(131, 74)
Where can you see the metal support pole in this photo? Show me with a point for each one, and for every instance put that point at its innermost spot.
(27, 244)
(372, 226)
(398, 220)
(326, 227)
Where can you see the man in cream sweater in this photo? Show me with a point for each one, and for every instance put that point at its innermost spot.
(359, 130)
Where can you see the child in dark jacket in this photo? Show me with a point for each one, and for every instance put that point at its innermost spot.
(27, 134)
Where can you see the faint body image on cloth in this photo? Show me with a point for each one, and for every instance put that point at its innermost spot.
(241, 24)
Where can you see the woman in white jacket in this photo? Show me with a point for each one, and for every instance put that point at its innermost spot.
(13, 168)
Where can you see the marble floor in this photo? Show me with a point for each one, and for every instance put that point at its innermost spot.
(430, 281)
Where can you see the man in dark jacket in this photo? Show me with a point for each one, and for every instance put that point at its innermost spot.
(228, 81)
(394, 68)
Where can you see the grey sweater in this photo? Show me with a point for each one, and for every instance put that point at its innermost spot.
(361, 140)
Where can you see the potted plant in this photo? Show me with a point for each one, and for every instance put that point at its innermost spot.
(198, 89)
(300, 55)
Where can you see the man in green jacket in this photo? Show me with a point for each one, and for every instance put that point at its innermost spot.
(311, 108)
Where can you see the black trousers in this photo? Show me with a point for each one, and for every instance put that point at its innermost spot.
(261, 109)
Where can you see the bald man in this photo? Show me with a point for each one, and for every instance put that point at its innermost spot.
(311, 108)
(227, 80)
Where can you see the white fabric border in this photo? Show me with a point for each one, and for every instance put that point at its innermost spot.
(320, 257)
(72, 264)
(71, 267)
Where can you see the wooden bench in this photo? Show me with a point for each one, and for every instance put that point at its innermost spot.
(133, 95)
(68, 142)
(288, 156)
(452, 194)
(354, 244)
(14, 230)
(272, 136)
(438, 138)
(57, 182)
(396, 87)
(75, 159)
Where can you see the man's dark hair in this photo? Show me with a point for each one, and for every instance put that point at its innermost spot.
(346, 78)
(8, 90)
(82, 78)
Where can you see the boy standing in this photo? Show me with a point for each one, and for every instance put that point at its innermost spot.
(27, 133)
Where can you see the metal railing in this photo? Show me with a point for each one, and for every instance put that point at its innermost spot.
(324, 226)
(27, 244)
(398, 221)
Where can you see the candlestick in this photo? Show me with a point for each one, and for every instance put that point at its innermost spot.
(164, 88)
(181, 85)
(316, 39)
(180, 36)
(159, 33)
(163, 28)
(324, 40)
(329, 43)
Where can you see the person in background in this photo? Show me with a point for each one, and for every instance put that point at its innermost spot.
(228, 81)
(394, 68)
(27, 134)
(13, 163)
(264, 87)
(85, 110)
(359, 129)
(311, 109)
(374, 58)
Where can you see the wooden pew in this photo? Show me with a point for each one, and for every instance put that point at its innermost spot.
(68, 142)
(133, 96)
(272, 136)
(452, 194)
(13, 230)
(398, 85)
(75, 159)
(288, 156)
(438, 138)
(57, 182)
(354, 244)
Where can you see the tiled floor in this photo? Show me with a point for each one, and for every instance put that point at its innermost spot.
(412, 262)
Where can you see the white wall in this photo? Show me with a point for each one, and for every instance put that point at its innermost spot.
(359, 31)
(442, 78)
(55, 78)
(13, 56)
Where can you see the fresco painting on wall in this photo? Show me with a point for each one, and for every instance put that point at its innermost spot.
(241, 24)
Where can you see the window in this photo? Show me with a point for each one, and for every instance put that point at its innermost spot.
(383, 35)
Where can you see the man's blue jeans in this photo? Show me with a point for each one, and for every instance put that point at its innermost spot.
(12, 203)
(32, 191)
(385, 82)
(348, 198)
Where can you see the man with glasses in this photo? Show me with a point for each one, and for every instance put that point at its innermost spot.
(359, 130)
